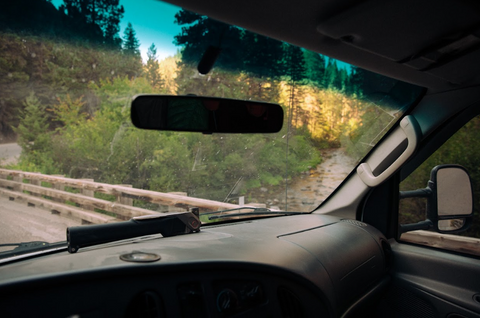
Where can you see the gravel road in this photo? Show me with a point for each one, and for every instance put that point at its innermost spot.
(9, 153)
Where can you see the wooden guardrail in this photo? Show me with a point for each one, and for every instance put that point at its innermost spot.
(456, 243)
(76, 197)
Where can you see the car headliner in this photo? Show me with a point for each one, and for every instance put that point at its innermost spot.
(434, 44)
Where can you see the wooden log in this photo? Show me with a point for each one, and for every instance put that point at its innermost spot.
(87, 192)
(19, 179)
(124, 199)
(457, 243)
(178, 208)
(37, 183)
(59, 186)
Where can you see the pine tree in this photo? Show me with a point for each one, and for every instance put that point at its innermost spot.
(263, 57)
(130, 42)
(153, 69)
(331, 75)
(315, 67)
(342, 80)
(295, 69)
(110, 23)
(200, 32)
(295, 63)
(33, 132)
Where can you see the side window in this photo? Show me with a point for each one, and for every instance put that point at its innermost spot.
(463, 149)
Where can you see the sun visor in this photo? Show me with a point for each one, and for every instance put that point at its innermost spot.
(462, 70)
(391, 28)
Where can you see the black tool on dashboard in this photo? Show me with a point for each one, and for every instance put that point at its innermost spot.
(166, 224)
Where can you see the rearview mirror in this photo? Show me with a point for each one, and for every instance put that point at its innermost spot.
(449, 201)
(205, 114)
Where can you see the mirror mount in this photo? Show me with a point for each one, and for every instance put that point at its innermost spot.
(449, 197)
(422, 225)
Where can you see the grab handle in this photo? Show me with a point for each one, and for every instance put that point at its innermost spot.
(364, 170)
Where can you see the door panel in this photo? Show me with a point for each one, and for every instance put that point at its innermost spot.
(431, 283)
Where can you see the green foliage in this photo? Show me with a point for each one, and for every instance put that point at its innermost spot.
(171, 164)
(33, 131)
(68, 110)
(117, 93)
(88, 147)
(34, 137)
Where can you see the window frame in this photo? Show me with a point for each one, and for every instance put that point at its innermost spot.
(428, 146)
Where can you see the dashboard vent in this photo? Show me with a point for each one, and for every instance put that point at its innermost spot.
(289, 303)
(146, 304)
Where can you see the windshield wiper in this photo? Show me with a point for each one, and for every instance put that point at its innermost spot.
(167, 224)
(28, 247)
(254, 211)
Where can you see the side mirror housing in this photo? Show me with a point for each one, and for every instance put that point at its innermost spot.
(449, 201)
(450, 207)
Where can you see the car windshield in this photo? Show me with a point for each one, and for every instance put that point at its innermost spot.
(69, 154)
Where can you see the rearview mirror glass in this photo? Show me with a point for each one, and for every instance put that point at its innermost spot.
(454, 197)
(454, 192)
(205, 114)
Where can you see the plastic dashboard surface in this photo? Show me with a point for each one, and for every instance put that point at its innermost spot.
(306, 265)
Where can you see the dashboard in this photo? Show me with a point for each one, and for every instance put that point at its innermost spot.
(290, 266)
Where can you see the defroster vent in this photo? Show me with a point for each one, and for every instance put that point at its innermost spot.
(145, 304)
(289, 303)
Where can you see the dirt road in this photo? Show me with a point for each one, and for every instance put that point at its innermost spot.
(307, 192)
(9, 153)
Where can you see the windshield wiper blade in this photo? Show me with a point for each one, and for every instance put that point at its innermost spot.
(167, 224)
(28, 247)
(254, 211)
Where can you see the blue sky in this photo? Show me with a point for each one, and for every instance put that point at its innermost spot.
(153, 23)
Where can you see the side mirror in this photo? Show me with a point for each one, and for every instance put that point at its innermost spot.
(449, 201)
